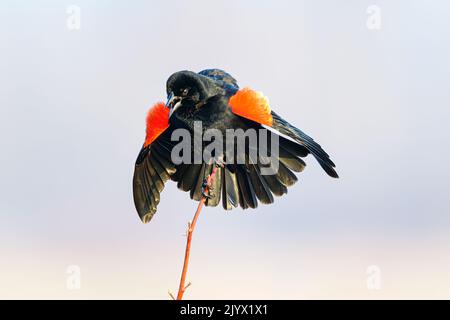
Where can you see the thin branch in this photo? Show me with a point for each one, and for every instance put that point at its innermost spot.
(191, 226)
(172, 296)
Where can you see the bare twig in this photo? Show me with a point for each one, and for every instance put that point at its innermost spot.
(191, 226)
(172, 296)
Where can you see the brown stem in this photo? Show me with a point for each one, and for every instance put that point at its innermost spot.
(191, 226)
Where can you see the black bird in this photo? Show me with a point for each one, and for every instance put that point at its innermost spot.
(212, 98)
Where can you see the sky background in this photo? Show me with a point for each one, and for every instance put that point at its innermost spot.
(72, 116)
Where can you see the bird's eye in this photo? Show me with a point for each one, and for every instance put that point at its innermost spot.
(185, 92)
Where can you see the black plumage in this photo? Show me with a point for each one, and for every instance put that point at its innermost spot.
(205, 97)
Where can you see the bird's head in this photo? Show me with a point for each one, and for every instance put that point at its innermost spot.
(188, 91)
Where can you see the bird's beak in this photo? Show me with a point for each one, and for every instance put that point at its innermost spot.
(173, 102)
(169, 100)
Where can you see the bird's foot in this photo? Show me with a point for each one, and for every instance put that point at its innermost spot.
(207, 189)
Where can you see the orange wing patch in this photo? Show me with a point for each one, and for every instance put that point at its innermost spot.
(252, 105)
(157, 122)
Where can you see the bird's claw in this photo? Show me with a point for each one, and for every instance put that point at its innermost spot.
(207, 190)
(208, 195)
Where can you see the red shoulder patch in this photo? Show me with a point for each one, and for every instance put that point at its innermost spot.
(157, 122)
(252, 105)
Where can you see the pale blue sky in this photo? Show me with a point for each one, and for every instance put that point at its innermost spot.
(72, 113)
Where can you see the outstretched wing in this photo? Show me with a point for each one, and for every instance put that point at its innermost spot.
(153, 165)
(254, 106)
(284, 127)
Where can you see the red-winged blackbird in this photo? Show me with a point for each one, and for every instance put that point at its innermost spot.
(213, 98)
